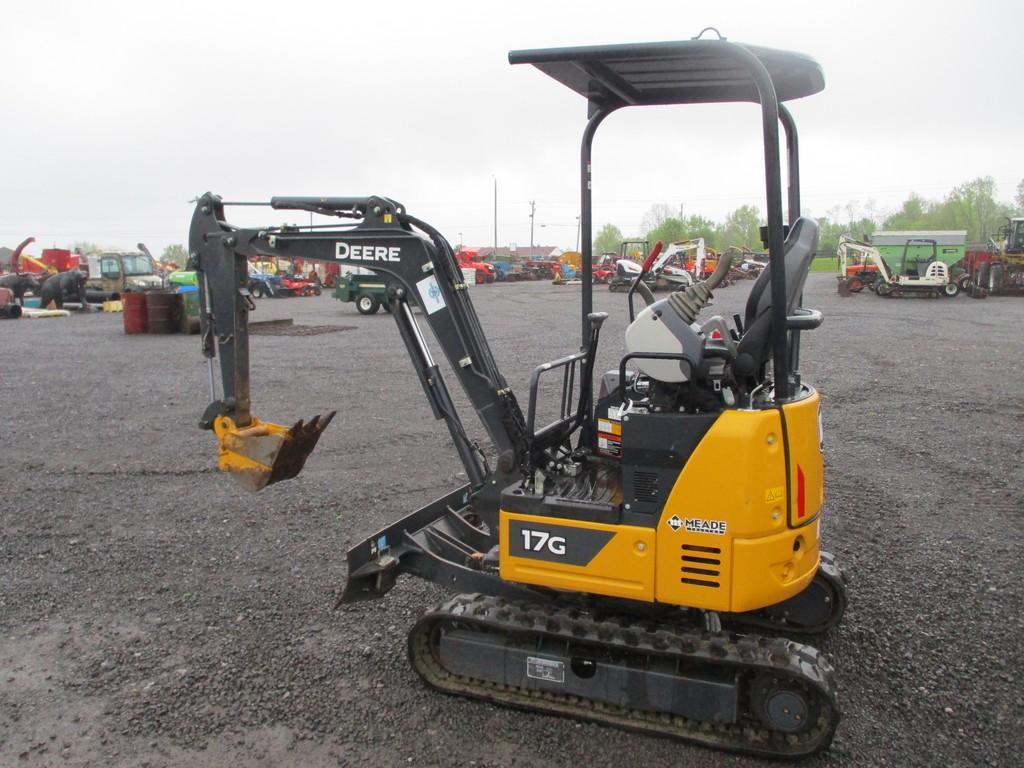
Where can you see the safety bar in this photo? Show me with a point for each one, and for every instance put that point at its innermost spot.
(566, 415)
(560, 430)
(681, 357)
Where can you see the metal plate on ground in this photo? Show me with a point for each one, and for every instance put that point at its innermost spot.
(297, 330)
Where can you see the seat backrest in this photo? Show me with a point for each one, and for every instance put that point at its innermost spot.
(799, 250)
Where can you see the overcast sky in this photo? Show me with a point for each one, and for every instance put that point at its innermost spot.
(115, 115)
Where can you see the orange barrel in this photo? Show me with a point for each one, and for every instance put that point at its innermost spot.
(163, 312)
(134, 312)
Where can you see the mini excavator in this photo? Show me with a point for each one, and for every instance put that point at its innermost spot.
(646, 559)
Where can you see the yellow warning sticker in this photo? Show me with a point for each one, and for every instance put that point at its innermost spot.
(772, 495)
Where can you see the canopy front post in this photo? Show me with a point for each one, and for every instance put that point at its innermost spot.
(597, 115)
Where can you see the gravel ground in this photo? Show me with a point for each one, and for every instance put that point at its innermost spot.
(152, 613)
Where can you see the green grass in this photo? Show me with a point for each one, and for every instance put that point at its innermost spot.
(825, 264)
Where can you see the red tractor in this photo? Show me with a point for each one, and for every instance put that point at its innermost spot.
(469, 258)
(605, 267)
(297, 285)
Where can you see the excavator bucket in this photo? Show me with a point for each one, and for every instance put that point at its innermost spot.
(261, 454)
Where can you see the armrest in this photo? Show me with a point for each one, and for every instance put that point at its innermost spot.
(804, 319)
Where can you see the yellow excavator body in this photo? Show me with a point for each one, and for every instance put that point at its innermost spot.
(724, 541)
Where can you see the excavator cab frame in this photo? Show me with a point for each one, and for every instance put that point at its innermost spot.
(693, 72)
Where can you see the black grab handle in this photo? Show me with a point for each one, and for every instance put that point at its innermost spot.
(804, 319)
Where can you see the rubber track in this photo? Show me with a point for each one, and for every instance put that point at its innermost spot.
(781, 658)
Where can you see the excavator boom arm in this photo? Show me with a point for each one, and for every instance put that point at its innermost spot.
(419, 268)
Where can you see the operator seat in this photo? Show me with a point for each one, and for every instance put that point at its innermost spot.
(755, 347)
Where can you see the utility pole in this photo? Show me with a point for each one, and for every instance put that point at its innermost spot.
(533, 209)
(495, 215)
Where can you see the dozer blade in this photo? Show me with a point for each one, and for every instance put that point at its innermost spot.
(262, 454)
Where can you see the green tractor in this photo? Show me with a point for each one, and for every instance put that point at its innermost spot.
(366, 290)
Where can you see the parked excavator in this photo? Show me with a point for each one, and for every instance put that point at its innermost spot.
(645, 559)
(928, 278)
(684, 262)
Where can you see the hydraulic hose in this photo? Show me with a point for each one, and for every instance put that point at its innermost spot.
(645, 293)
(688, 304)
(638, 283)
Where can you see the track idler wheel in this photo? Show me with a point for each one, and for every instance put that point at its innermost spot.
(783, 704)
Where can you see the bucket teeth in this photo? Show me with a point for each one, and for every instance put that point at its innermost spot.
(262, 453)
(299, 443)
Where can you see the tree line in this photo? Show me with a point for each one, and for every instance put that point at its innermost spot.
(972, 206)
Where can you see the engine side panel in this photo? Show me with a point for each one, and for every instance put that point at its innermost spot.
(724, 539)
(733, 535)
(596, 558)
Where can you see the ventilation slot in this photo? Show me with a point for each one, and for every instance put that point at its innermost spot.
(700, 582)
(694, 559)
(702, 571)
(703, 564)
(698, 548)
(645, 486)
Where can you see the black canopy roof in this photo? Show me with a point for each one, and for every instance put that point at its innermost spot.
(683, 72)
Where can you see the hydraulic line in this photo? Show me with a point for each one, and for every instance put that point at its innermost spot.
(467, 323)
(437, 393)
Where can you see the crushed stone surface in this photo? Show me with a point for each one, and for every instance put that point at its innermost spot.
(152, 613)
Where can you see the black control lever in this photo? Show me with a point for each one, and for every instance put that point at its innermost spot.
(738, 321)
(585, 410)
(596, 321)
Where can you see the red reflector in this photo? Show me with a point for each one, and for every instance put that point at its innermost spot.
(801, 509)
(716, 335)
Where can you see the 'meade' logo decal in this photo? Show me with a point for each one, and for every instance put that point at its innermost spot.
(696, 525)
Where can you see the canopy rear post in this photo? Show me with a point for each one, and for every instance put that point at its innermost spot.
(773, 193)
(792, 163)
